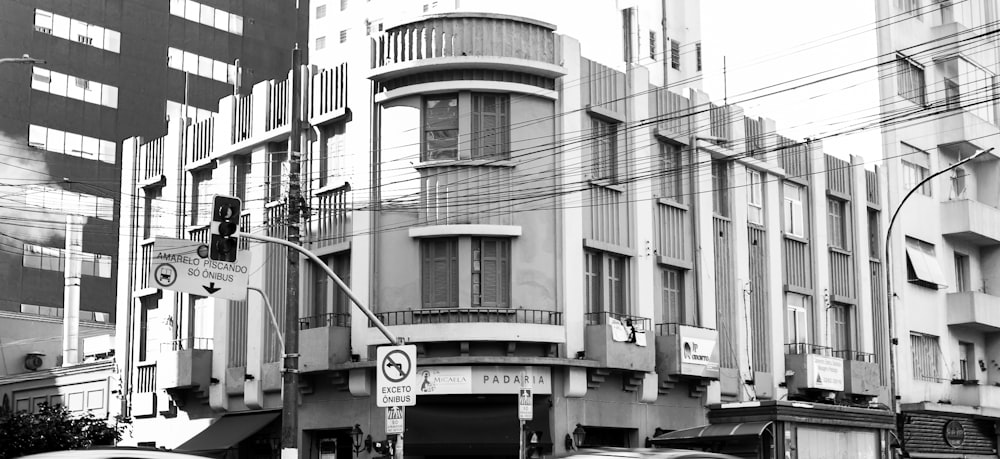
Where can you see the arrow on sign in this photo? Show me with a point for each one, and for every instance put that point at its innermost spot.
(211, 287)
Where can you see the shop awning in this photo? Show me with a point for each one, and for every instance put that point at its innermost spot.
(228, 431)
(726, 431)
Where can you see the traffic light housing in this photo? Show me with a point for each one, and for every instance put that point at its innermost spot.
(225, 228)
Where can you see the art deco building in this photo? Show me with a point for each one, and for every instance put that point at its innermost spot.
(653, 261)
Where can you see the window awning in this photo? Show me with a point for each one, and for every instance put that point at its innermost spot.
(924, 262)
(726, 431)
(228, 431)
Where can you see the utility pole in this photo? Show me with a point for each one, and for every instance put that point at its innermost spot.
(290, 377)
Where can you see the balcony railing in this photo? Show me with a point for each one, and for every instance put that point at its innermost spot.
(721, 127)
(856, 356)
(793, 157)
(242, 118)
(141, 277)
(673, 328)
(754, 135)
(674, 111)
(145, 377)
(841, 273)
(797, 266)
(200, 140)
(461, 36)
(331, 319)
(671, 234)
(332, 217)
(200, 234)
(469, 315)
(329, 91)
(277, 105)
(151, 154)
(872, 188)
(601, 318)
(804, 348)
(181, 344)
(244, 227)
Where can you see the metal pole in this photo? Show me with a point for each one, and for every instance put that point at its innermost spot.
(893, 340)
(329, 272)
(290, 376)
(520, 436)
(270, 312)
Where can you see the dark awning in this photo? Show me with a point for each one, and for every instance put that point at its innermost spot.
(732, 431)
(228, 431)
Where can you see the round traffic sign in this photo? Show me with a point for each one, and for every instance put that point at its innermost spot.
(396, 366)
(165, 275)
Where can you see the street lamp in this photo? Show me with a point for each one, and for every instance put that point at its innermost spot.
(579, 435)
(359, 446)
(888, 276)
(26, 59)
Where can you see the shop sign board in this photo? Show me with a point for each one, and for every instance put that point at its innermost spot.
(464, 379)
(825, 373)
(394, 420)
(182, 265)
(395, 375)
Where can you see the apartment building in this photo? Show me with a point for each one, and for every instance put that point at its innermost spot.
(938, 67)
(663, 269)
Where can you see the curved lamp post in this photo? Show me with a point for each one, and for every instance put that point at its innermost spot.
(893, 341)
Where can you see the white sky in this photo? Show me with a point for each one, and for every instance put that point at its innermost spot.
(767, 42)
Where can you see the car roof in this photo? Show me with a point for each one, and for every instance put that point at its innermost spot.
(113, 453)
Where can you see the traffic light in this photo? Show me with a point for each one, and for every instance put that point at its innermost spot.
(225, 228)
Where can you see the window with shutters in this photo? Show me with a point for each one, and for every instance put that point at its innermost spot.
(672, 166)
(794, 209)
(836, 223)
(606, 279)
(332, 161)
(320, 11)
(796, 318)
(672, 289)
(910, 81)
(916, 168)
(201, 196)
(491, 272)
(720, 188)
(922, 266)
(439, 273)
(697, 56)
(843, 329)
(925, 352)
(675, 54)
(652, 44)
(490, 126)
(328, 297)
(755, 199)
(605, 149)
(241, 174)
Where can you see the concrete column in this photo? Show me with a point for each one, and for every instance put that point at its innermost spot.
(71, 290)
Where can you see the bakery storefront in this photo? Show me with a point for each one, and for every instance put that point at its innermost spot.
(468, 410)
(948, 431)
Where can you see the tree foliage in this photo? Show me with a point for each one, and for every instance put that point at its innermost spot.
(53, 428)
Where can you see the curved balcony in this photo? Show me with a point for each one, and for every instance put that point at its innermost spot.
(475, 324)
(454, 41)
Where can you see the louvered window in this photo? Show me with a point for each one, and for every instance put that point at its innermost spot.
(490, 128)
(440, 273)
(491, 272)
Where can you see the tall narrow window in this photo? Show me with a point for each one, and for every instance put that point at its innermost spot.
(490, 126)
(910, 81)
(755, 199)
(491, 272)
(332, 154)
(150, 212)
(925, 352)
(720, 188)
(616, 284)
(605, 135)
(592, 281)
(962, 283)
(836, 223)
(966, 361)
(652, 44)
(842, 328)
(916, 168)
(958, 183)
(675, 54)
(797, 320)
(440, 128)
(952, 95)
(672, 161)
(874, 235)
(697, 56)
(672, 280)
(440, 272)
(277, 172)
(794, 210)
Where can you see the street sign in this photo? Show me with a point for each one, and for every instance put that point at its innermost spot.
(395, 375)
(525, 408)
(394, 420)
(175, 264)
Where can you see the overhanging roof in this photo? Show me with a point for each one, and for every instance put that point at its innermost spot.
(725, 431)
(228, 431)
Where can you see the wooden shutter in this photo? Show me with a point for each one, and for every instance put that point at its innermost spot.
(495, 274)
(440, 269)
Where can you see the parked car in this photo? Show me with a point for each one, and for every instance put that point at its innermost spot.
(121, 452)
(644, 453)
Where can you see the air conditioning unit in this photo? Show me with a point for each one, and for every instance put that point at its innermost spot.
(33, 360)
